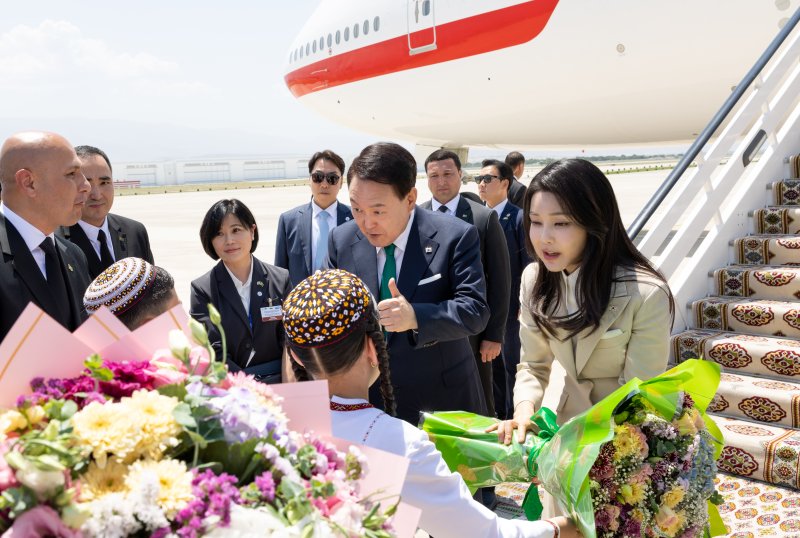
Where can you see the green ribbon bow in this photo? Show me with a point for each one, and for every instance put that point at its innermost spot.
(545, 419)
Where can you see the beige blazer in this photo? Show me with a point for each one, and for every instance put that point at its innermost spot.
(631, 341)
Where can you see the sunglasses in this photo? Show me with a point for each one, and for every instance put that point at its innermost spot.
(487, 178)
(331, 177)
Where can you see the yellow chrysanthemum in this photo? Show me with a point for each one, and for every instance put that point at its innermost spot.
(174, 482)
(669, 522)
(105, 430)
(12, 420)
(629, 441)
(673, 497)
(98, 482)
(158, 428)
(633, 493)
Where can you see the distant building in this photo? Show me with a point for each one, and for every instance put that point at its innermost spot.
(210, 170)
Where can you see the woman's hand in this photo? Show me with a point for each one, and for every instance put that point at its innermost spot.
(566, 528)
(521, 423)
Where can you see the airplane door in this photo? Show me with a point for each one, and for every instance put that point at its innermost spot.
(421, 26)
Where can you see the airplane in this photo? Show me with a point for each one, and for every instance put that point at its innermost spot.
(536, 73)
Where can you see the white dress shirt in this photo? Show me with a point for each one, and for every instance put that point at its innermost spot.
(500, 207)
(32, 236)
(91, 232)
(399, 250)
(243, 289)
(451, 206)
(448, 509)
(332, 223)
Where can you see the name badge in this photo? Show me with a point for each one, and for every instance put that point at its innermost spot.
(271, 313)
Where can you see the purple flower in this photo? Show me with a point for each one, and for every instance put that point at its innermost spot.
(214, 495)
(266, 485)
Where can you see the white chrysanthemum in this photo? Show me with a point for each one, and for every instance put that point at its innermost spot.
(251, 523)
(158, 428)
(111, 517)
(105, 430)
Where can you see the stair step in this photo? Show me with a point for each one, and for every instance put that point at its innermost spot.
(759, 451)
(753, 509)
(762, 317)
(775, 282)
(786, 192)
(777, 220)
(767, 250)
(778, 358)
(758, 399)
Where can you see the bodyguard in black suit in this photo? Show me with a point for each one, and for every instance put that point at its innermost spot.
(426, 271)
(104, 237)
(443, 168)
(254, 334)
(299, 247)
(516, 190)
(42, 188)
(494, 193)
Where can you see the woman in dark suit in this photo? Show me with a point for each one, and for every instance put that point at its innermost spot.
(247, 292)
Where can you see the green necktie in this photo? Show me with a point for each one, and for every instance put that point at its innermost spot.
(389, 271)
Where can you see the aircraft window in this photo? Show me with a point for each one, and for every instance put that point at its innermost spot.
(355, 31)
(366, 27)
(321, 43)
(314, 46)
(426, 8)
(330, 40)
(376, 23)
(347, 34)
(338, 36)
(308, 49)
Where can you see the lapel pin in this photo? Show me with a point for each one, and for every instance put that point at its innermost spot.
(69, 266)
(259, 294)
(346, 218)
(465, 215)
(259, 283)
(428, 250)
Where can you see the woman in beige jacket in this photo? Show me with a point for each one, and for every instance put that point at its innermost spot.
(590, 300)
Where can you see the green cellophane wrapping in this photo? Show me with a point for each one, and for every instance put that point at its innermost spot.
(562, 458)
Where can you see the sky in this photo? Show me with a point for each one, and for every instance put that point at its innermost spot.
(163, 80)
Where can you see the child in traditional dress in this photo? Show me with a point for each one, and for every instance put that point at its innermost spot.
(333, 333)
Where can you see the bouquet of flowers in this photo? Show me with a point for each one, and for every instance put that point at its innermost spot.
(173, 446)
(640, 463)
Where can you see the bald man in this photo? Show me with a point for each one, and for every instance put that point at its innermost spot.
(42, 188)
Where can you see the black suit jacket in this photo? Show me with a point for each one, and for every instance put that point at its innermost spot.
(432, 369)
(21, 280)
(494, 258)
(293, 246)
(129, 238)
(516, 193)
(266, 337)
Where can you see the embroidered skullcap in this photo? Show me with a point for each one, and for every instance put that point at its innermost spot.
(325, 307)
(120, 286)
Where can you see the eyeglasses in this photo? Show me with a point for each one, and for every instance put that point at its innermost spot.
(487, 178)
(331, 177)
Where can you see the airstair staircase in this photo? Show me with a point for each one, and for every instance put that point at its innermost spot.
(750, 326)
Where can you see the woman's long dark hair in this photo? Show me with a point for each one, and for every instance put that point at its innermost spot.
(342, 355)
(586, 196)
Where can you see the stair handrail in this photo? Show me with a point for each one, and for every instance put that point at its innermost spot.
(699, 143)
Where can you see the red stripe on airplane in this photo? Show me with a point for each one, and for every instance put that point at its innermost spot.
(458, 39)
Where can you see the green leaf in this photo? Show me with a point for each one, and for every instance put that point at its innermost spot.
(183, 416)
(235, 458)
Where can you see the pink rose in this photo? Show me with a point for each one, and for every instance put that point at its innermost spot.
(39, 522)
(168, 370)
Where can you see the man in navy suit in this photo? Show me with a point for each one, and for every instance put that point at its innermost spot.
(302, 241)
(42, 188)
(102, 236)
(495, 178)
(426, 272)
(443, 168)
(516, 190)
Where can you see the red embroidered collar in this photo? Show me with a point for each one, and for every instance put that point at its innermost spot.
(336, 406)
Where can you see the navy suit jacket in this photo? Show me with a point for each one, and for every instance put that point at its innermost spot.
(293, 246)
(266, 337)
(128, 237)
(432, 369)
(21, 280)
(516, 193)
(511, 221)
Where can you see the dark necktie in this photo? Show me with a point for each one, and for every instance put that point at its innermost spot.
(55, 282)
(443, 208)
(105, 256)
(389, 271)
